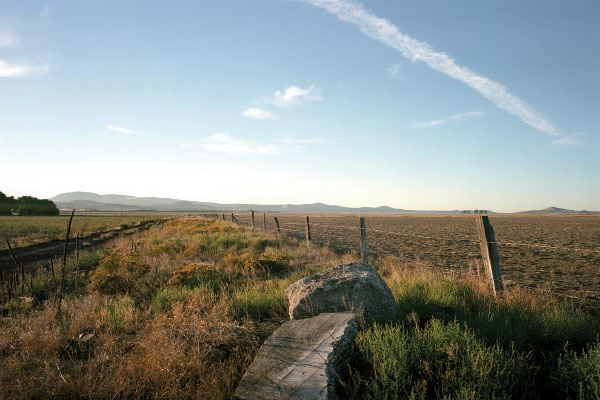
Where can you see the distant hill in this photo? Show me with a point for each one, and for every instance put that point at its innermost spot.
(557, 210)
(117, 202)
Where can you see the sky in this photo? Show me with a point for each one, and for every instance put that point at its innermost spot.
(410, 104)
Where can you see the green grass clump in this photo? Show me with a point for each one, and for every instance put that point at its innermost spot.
(165, 297)
(118, 313)
(197, 274)
(259, 300)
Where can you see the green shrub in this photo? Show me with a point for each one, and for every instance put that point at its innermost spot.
(578, 376)
(436, 361)
(42, 287)
(529, 327)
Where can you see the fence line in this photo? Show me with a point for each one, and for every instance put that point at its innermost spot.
(329, 235)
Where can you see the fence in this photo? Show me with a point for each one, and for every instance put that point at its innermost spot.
(456, 243)
(448, 243)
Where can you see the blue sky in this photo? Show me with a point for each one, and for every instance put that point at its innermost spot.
(411, 104)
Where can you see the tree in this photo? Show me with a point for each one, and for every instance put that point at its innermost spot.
(32, 206)
(7, 204)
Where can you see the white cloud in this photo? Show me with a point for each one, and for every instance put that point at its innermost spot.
(19, 70)
(451, 119)
(294, 94)
(570, 140)
(395, 70)
(225, 143)
(387, 33)
(258, 113)
(120, 129)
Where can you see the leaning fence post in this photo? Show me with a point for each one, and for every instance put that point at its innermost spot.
(363, 240)
(308, 233)
(265, 223)
(252, 212)
(22, 279)
(489, 253)
(277, 224)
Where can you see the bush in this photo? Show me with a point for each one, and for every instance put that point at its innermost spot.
(118, 273)
(43, 286)
(194, 275)
(578, 376)
(437, 361)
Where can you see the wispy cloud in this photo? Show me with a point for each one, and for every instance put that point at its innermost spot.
(575, 139)
(120, 129)
(258, 113)
(7, 38)
(293, 95)
(20, 70)
(225, 143)
(451, 119)
(395, 70)
(387, 33)
(306, 141)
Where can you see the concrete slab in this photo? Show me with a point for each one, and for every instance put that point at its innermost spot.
(301, 360)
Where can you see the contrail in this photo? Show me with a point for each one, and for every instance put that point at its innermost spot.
(387, 33)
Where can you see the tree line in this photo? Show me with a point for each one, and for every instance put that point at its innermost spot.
(26, 205)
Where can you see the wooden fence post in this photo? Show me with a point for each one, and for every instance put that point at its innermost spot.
(22, 279)
(489, 253)
(265, 224)
(12, 255)
(278, 228)
(234, 219)
(308, 233)
(252, 211)
(77, 259)
(3, 284)
(363, 239)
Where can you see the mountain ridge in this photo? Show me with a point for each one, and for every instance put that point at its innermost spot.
(119, 202)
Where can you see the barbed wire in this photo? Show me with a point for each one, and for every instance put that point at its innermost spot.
(328, 235)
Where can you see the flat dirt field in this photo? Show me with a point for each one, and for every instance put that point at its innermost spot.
(559, 253)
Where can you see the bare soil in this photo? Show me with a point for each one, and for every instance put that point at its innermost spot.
(557, 253)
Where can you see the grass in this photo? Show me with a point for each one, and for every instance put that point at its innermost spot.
(26, 230)
(452, 339)
(183, 315)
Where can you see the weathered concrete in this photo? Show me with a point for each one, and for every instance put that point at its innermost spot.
(301, 360)
(347, 287)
